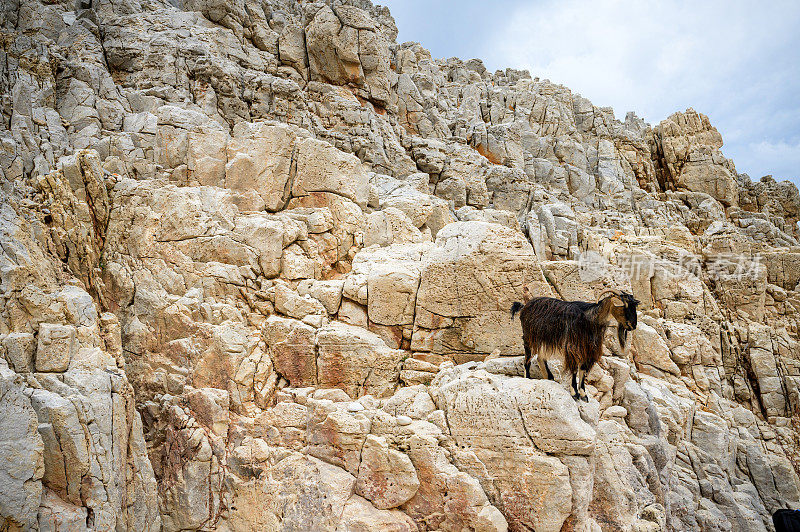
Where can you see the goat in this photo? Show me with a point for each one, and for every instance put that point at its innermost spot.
(572, 331)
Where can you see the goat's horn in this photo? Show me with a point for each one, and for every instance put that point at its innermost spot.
(609, 291)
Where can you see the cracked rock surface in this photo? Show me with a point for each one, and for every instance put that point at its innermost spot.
(256, 265)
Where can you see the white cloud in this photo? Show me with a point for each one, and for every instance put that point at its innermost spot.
(629, 53)
(735, 60)
(782, 157)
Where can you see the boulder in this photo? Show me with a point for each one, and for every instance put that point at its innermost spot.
(56, 346)
(323, 168)
(291, 346)
(360, 516)
(386, 477)
(20, 349)
(356, 360)
(345, 47)
(691, 157)
(468, 281)
(511, 412)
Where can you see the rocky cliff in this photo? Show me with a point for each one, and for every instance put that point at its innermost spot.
(256, 261)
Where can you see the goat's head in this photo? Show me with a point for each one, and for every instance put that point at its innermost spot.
(623, 309)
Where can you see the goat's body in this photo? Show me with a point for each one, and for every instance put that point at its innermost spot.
(569, 331)
(555, 328)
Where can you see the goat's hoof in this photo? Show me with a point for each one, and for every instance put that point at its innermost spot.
(585, 398)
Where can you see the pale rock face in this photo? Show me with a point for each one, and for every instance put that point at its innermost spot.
(292, 350)
(412, 196)
(651, 351)
(329, 293)
(21, 465)
(390, 226)
(391, 292)
(692, 157)
(357, 361)
(256, 270)
(345, 46)
(382, 289)
(57, 345)
(386, 477)
(504, 424)
(323, 168)
(511, 412)
(323, 494)
(360, 516)
(259, 165)
(474, 320)
(20, 349)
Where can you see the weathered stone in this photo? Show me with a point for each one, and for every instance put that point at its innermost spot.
(357, 361)
(470, 255)
(511, 412)
(651, 351)
(323, 168)
(360, 516)
(386, 477)
(390, 226)
(329, 293)
(223, 179)
(20, 349)
(21, 451)
(691, 152)
(336, 435)
(56, 346)
(292, 350)
(56, 514)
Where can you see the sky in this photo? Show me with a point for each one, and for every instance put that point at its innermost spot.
(736, 61)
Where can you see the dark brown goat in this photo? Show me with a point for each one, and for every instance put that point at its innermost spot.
(572, 331)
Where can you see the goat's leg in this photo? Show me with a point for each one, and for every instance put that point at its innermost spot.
(543, 369)
(582, 390)
(527, 361)
(573, 389)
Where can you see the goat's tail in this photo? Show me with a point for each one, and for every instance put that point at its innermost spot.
(515, 307)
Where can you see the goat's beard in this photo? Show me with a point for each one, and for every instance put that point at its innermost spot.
(622, 335)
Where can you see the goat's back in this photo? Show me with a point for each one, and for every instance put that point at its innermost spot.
(547, 319)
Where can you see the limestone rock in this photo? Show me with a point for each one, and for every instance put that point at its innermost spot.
(256, 270)
(511, 412)
(360, 516)
(390, 226)
(345, 46)
(386, 477)
(356, 360)
(20, 349)
(292, 350)
(21, 464)
(652, 350)
(692, 159)
(57, 345)
(336, 435)
(474, 319)
(323, 168)
(259, 164)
